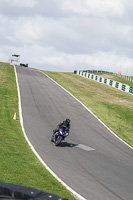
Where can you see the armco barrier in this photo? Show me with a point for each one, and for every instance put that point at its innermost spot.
(115, 84)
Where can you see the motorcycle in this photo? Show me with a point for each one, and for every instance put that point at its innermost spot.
(59, 136)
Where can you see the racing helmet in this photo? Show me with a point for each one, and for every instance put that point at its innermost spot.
(67, 121)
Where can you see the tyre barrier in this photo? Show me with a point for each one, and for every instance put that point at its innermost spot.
(15, 192)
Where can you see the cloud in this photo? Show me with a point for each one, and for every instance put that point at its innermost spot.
(66, 35)
(14, 8)
(17, 4)
(97, 8)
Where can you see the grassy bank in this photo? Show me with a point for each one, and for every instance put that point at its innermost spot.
(18, 164)
(113, 107)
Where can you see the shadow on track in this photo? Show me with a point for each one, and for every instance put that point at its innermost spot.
(66, 144)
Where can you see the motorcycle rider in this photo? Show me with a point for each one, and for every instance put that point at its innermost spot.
(65, 125)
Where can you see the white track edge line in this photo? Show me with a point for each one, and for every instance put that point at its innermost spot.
(32, 148)
(89, 111)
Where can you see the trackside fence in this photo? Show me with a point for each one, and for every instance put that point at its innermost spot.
(115, 84)
(129, 78)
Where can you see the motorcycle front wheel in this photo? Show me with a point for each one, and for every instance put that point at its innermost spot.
(58, 141)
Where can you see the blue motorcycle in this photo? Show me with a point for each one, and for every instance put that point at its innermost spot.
(59, 136)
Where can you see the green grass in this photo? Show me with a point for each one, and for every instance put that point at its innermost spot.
(18, 164)
(115, 78)
(112, 106)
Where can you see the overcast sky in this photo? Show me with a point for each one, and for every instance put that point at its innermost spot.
(68, 35)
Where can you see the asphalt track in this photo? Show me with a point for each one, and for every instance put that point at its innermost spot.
(91, 161)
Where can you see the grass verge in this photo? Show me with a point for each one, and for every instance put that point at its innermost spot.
(18, 164)
(113, 107)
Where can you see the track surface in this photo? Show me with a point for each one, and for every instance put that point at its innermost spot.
(91, 161)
